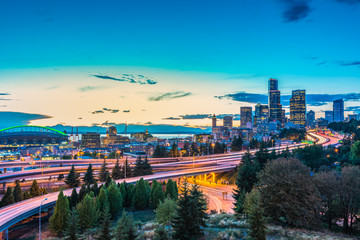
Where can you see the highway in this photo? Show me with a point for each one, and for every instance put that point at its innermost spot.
(14, 213)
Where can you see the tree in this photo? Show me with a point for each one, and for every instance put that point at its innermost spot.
(262, 156)
(126, 169)
(88, 212)
(95, 189)
(165, 212)
(171, 190)
(157, 195)
(72, 179)
(74, 199)
(138, 170)
(147, 169)
(105, 233)
(103, 200)
(8, 198)
(355, 153)
(161, 234)
(89, 176)
(104, 173)
(116, 171)
(18, 193)
(289, 193)
(198, 210)
(72, 229)
(217, 148)
(115, 200)
(141, 196)
(311, 156)
(59, 220)
(174, 150)
(236, 144)
(34, 189)
(256, 219)
(125, 229)
(82, 193)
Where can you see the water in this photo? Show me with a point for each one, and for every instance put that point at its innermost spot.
(158, 135)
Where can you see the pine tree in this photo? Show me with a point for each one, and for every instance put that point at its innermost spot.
(125, 229)
(255, 214)
(104, 173)
(72, 179)
(141, 196)
(82, 193)
(126, 166)
(138, 170)
(105, 231)
(34, 189)
(18, 193)
(171, 190)
(59, 220)
(89, 176)
(115, 200)
(95, 189)
(165, 211)
(108, 181)
(88, 212)
(27, 195)
(116, 171)
(130, 191)
(103, 200)
(8, 198)
(161, 234)
(122, 187)
(198, 209)
(146, 168)
(157, 195)
(74, 199)
(72, 229)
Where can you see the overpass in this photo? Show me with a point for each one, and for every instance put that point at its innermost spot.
(17, 212)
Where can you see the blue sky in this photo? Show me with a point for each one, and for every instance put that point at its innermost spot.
(196, 49)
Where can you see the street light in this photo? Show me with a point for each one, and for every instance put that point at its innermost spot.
(40, 218)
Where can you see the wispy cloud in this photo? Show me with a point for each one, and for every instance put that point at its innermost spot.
(170, 95)
(89, 88)
(295, 10)
(172, 118)
(131, 78)
(126, 111)
(105, 110)
(349, 63)
(5, 94)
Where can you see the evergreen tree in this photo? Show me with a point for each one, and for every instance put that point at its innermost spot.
(141, 195)
(115, 200)
(255, 213)
(108, 181)
(8, 198)
(125, 229)
(72, 229)
(147, 169)
(236, 144)
(126, 167)
(95, 189)
(105, 233)
(165, 211)
(158, 152)
(89, 176)
(82, 193)
(72, 179)
(174, 150)
(116, 171)
(104, 173)
(88, 212)
(157, 195)
(34, 189)
(138, 170)
(103, 200)
(198, 210)
(122, 187)
(217, 148)
(262, 156)
(161, 234)
(59, 220)
(171, 190)
(130, 191)
(74, 199)
(18, 193)
(27, 195)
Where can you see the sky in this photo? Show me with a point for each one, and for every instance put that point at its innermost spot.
(106, 62)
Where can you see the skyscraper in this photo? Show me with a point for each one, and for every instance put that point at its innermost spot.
(245, 116)
(338, 109)
(261, 115)
(329, 116)
(228, 122)
(214, 121)
(298, 108)
(310, 119)
(275, 106)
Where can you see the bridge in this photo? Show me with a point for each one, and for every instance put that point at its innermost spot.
(16, 212)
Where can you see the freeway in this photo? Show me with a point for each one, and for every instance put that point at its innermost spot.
(14, 213)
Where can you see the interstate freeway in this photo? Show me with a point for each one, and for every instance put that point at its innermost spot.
(16, 212)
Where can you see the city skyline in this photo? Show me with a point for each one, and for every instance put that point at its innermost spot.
(171, 73)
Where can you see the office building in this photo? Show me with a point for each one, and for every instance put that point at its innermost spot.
(275, 106)
(228, 122)
(329, 116)
(310, 119)
(338, 109)
(214, 121)
(246, 117)
(352, 117)
(298, 108)
(90, 140)
(261, 117)
(112, 139)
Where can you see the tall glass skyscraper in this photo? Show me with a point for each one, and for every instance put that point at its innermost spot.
(245, 116)
(298, 107)
(338, 109)
(275, 106)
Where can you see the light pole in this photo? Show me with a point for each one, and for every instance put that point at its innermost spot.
(40, 218)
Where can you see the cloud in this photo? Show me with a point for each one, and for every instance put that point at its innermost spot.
(97, 112)
(170, 95)
(349, 1)
(172, 118)
(89, 88)
(9, 119)
(5, 94)
(126, 111)
(295, 10)
(355, 109)
(349, 63)
(196, 116)
(131, 78)
(106, 110)
(311, 99)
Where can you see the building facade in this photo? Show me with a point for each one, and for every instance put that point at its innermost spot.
(310, 119)
(90, 140)
(275, 106)
(298, 107)
(228, 122)
(338, 109)
(245, 116)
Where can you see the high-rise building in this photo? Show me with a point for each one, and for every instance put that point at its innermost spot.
(261, 115)
(329, 116)
(245, 116)
(298, 108)
(275, 106)
(214, 121)
(338, 108)
(228, 122)
(90, 140)
(310, 119)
